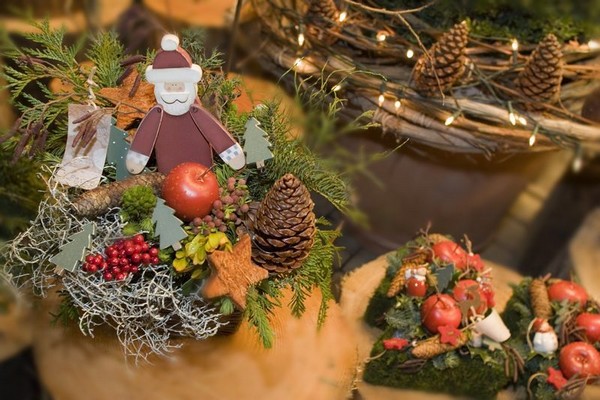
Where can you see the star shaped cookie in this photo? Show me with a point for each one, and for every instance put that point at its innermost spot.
(233, 273)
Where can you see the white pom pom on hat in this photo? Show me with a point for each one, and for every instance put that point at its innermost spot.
(169, 42)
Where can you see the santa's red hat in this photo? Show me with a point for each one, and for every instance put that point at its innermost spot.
(172, 64)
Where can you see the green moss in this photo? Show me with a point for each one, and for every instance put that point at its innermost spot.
(528, 20)
(518, 313)
(453, 373)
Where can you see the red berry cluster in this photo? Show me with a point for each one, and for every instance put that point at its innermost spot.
(124, 257)
(227, 210)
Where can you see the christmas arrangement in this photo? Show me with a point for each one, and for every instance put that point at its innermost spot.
(140, 229)
(555, 326)
(441, 332)
(481, 84)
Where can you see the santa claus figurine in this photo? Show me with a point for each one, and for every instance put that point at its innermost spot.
(178, 129)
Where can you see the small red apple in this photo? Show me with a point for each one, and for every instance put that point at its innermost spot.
(416, 287)
(190, 189)
(488, 292)
(450, 252)
(439, 310)
(468, 289)
(591, 324)
(475, 262)
(579, 358)
(567, 290)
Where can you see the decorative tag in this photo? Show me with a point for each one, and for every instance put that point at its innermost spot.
(256, 144)
(168, 226)
(82, 166)
(117, 150)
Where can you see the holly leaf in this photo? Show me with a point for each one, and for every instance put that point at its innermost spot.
(444, 277)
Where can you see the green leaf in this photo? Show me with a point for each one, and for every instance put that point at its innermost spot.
(444, 277)
(227, 306)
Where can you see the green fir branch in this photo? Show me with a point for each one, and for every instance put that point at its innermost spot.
(106, 53)
(260, 303)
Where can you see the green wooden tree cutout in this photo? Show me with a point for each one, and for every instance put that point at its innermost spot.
(117, 150)
(73, 252)
(168, 226)
(256, 144)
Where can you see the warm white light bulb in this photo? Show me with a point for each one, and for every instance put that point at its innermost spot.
(522, 120)
(336, 87)
(381, 99)
(410, 53)
(397, 105)
(300, 39)
(532, 139)
(298, 64)
(512, 118)
(514, 44)
(594, 44)
(577, 163)
(342, 16)
(381, 36)
(449, 120)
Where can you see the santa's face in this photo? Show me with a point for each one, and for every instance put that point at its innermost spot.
(175, 97)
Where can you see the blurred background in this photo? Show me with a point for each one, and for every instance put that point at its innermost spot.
(523, 211)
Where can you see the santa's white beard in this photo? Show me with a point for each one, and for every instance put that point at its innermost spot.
(177, 108)
(176, 103)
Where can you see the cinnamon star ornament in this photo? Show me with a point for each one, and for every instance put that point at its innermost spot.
(233, 273)
(132, 104)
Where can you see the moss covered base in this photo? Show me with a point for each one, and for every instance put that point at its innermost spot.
(469, 376)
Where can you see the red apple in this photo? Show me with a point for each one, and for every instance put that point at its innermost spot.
(450, 252)
(579, 358)
(190, 189)
(488, 292)
(567, 290)
(439, 310)
(591, 324)
(475, 262)
(416, 287)
(468, 289)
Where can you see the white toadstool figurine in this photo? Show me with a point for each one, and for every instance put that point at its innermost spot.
(545, 340)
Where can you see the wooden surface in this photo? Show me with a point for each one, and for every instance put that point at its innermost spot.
(108, 12)
(15, 328)
(304, 363)
(206, 13)
(584, 252)
(358, 288)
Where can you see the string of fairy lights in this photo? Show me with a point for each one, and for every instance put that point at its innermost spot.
(383, 36)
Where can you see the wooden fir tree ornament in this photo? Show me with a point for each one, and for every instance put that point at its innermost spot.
(73, 252)
(233, 273)
(256, 144)
(285, 226)
(540, 79)
(168, 226)
(118, 147)
(444, 63)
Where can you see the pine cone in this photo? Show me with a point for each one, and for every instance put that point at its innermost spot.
(540, 302)
(434, 238)
(413, 261)
(322, 9)
(432, 346)
(541, 77)
(285, 226)
(448, 56)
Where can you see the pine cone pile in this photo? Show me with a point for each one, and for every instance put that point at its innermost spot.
(541, 77)
(285, 226)
(444, 63)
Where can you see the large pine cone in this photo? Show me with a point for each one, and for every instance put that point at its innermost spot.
(285, 226)
(448, 56)
(322, 9)
(541, 77)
